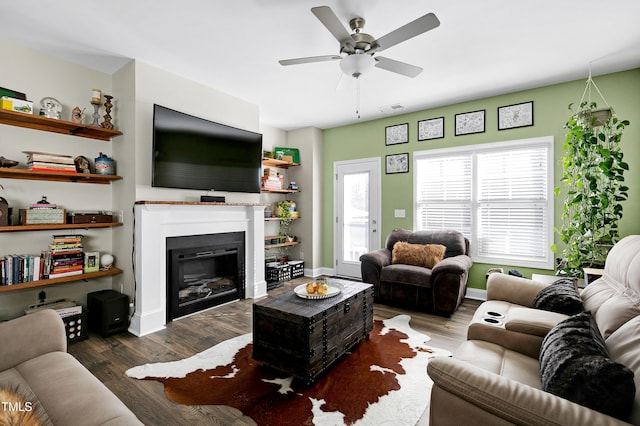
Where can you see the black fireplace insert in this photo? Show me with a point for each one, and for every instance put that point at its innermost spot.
(204, 271)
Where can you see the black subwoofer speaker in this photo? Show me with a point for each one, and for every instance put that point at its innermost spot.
(108, 312)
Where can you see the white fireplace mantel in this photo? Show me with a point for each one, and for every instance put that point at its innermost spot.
(155, 221)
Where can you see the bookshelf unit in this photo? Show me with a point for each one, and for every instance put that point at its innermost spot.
(51, 125)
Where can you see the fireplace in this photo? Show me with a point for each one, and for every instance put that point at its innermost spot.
(204, 271)
(158, 221)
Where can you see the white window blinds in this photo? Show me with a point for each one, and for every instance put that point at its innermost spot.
(498, 195)
(444, 192)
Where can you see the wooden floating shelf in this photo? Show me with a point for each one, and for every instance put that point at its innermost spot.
(292, 243)
(38, 122)
(62, 280)
(27, 174)
(272, 162)
(279, 191)
(19, 228)
(280, 218)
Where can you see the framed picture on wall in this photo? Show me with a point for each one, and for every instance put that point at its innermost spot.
(432, 128)
(517, 115)
(397, 163)
(470, 122)
(396, 134)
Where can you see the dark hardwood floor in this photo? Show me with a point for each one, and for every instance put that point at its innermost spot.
(109, 358)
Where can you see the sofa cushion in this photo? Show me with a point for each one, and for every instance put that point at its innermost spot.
(561, 296)
(454, 241)
(69, 392)
(614, 312)
(624, 347)
(575, 365)
(406, 275)
(596, 293)
(425, 255)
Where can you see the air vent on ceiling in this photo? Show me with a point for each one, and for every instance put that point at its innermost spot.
(391, 109)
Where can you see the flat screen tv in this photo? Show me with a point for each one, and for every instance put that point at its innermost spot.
(194, 153)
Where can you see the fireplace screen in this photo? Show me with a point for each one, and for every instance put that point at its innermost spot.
(204, 276)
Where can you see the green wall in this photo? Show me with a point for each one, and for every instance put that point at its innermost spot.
(363, 140)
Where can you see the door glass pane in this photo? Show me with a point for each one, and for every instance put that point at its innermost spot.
(356, 216)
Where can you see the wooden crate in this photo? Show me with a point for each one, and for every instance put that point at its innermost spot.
(304, 337)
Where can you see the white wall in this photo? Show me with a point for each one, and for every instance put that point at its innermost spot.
(153, 85)
(308, 228)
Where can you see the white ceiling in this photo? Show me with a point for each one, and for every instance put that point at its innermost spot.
(482, 48)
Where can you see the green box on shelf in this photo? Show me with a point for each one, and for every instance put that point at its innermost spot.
(279, 153)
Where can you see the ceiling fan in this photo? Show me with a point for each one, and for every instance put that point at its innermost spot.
(357, 50)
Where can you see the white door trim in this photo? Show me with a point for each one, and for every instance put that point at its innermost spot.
(375, 165)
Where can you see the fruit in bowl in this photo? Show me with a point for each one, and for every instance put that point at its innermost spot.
(317, 288)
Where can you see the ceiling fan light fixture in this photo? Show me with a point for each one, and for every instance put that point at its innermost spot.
(357, 64)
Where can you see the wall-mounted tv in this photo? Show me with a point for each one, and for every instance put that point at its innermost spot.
(194, 153)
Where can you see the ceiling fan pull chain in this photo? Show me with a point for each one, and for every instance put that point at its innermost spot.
(358, 97)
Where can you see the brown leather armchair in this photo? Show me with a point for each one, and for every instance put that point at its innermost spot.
(438, 290)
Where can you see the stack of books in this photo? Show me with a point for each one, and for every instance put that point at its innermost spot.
(65, 256)
(20, 268)
(44, 161)
(272, 180)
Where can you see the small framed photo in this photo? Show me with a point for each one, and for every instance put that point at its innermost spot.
(396, 134)
(432, 128)
(470, 122)
(517, 115)
(397, 163)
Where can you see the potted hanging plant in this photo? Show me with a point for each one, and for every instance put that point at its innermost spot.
(593, 173)
(285, 212)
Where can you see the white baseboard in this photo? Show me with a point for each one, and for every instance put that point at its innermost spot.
(316, 272)
(476, 294)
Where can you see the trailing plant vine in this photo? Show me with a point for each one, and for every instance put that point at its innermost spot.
(593, 173)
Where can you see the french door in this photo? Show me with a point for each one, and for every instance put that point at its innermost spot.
(356, 213)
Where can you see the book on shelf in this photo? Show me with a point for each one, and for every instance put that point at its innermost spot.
(53, 275)
(20, 268)
(67, 238)
(47, 157)
(51, 167)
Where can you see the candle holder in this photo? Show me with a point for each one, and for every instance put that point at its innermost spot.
(96, 115)
(107, 124)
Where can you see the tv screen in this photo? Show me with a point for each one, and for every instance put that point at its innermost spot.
(194, 153)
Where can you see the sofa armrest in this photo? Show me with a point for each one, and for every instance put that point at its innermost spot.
(372, 264)
(504, 398)
(509, 288)
(455, 264)
(532, 321)
(30, 336)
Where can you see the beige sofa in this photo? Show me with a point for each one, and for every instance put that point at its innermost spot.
(52, 384)
(494, 377)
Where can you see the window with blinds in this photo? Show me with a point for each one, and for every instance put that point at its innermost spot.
(499, 195)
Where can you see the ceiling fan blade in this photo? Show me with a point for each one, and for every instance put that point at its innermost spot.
(309, 59)
(397, 66)
(332, 23)
(410, 30)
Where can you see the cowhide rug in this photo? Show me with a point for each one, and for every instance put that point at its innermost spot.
(383, 381)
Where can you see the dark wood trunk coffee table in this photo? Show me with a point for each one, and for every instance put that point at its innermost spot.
(304, 337)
